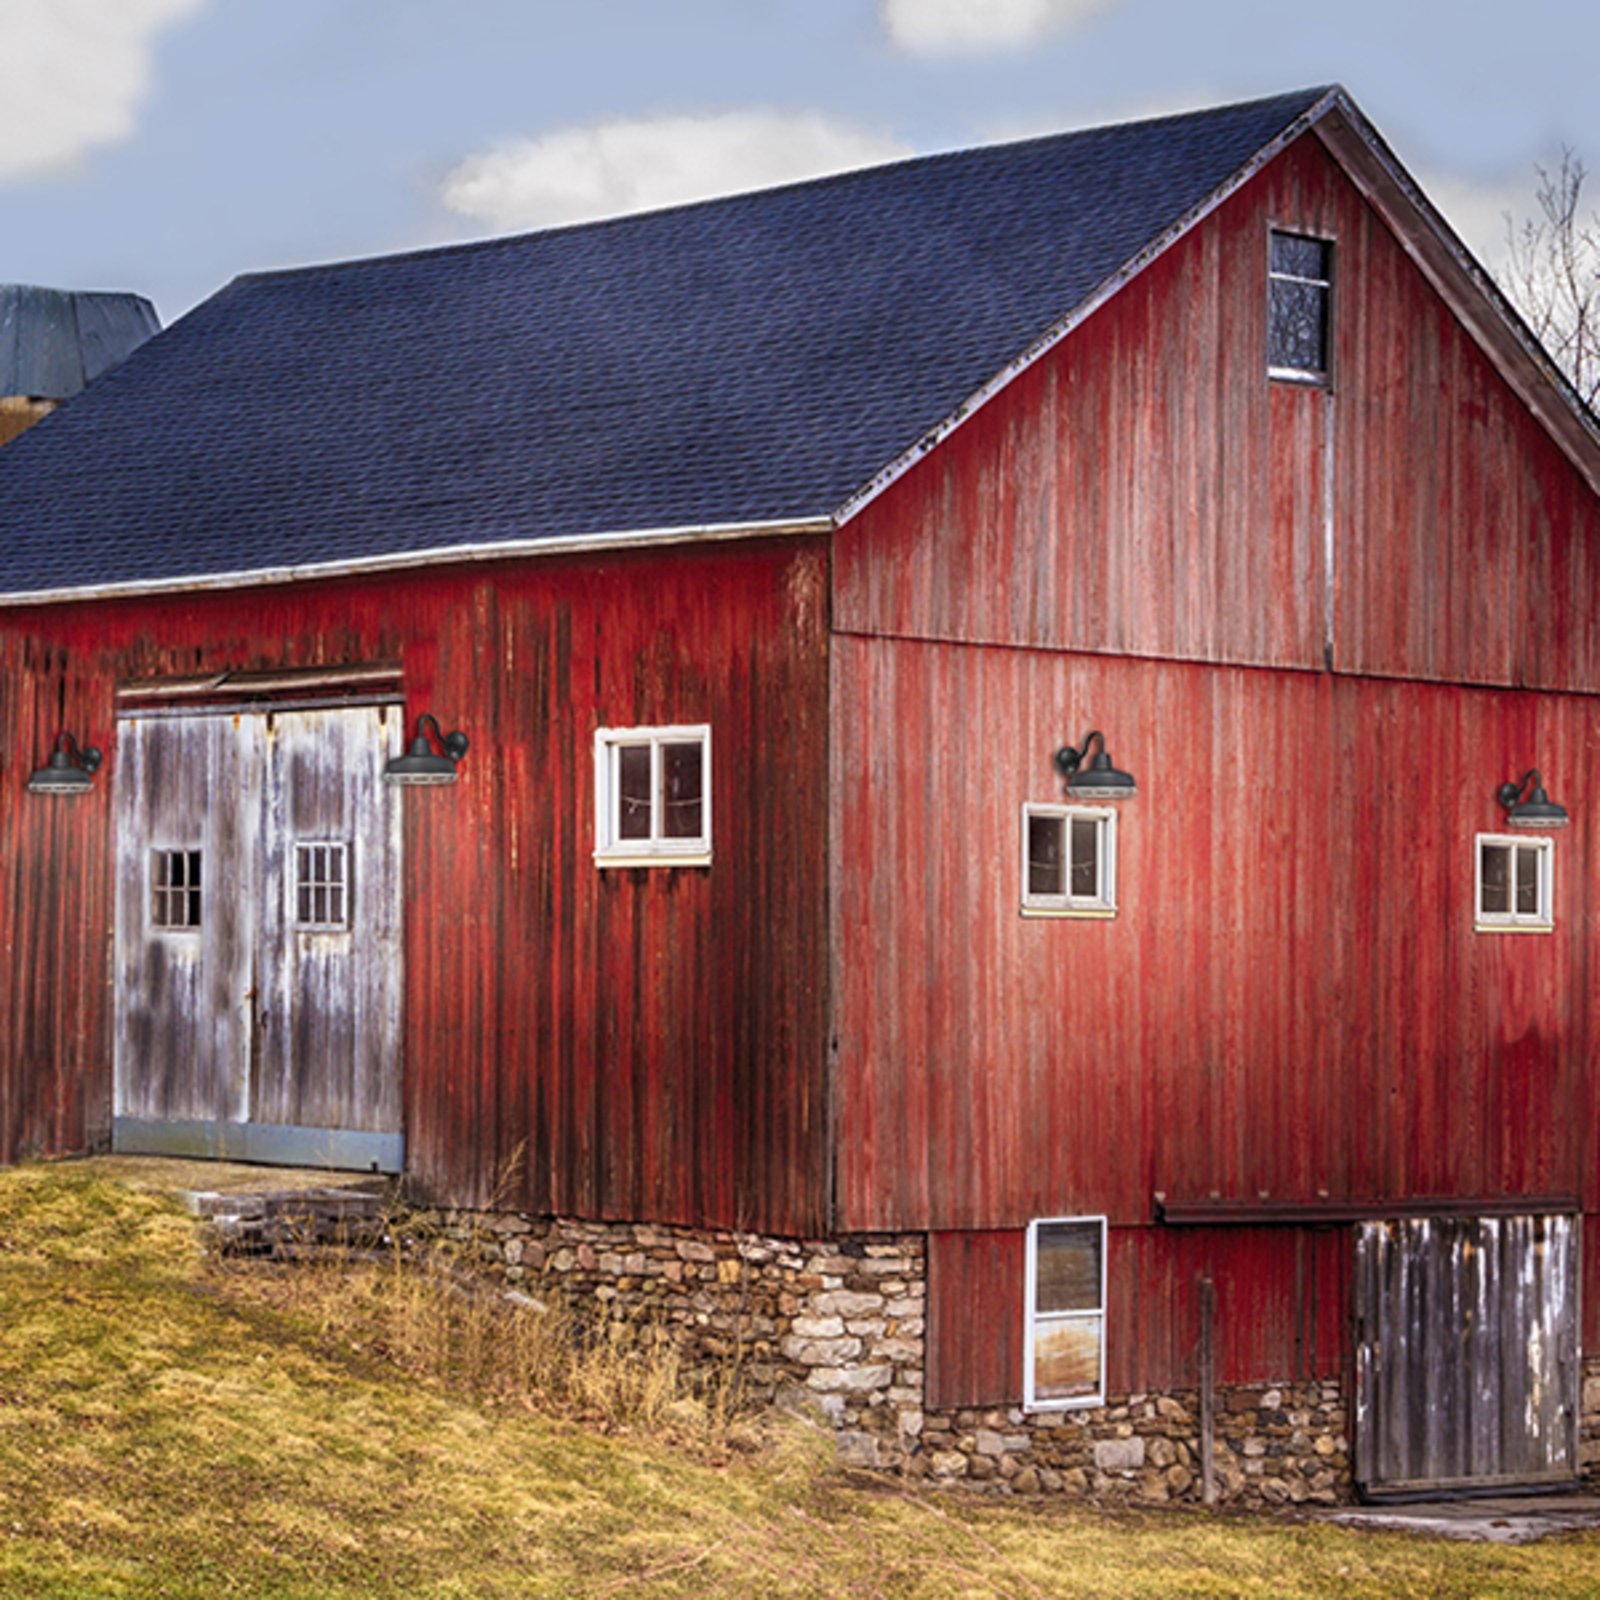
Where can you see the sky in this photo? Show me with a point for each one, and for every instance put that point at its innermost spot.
(164, 146)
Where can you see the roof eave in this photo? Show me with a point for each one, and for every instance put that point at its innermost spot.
(449, 555)
(1085, 308)
(1474, 298)
(1450, 267)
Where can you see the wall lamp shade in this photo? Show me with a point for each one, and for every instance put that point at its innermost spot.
(422, 766)
(1537, 811)
(1093, 778)
(69, 769)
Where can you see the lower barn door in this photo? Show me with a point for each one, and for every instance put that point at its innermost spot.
(259, 938)
(1466, 1355)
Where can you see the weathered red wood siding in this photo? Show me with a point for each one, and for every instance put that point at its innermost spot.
(642, 1044)
(1281, 1309)
(1145, 490)
(1292, 999)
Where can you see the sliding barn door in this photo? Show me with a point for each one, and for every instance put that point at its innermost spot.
(1466, 1361)
(259, 937)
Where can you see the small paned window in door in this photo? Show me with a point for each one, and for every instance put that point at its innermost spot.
(322, 886)
(175, 889)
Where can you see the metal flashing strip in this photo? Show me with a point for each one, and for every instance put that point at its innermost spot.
(1086, 307)
(269, 1144)
(259, 708)
(249, 685)
(445, 555)
(1299, 1213)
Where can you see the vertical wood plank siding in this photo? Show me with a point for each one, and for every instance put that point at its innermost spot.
(1291, 1000)
(1144, 490)
(1283, 1301)
(644, 1044)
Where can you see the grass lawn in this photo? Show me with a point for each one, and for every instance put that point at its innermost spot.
(171, 1426)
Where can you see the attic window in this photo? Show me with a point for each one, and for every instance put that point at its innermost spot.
(1299, 285)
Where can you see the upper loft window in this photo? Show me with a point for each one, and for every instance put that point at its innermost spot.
(1069, 861)
(653, 796)
(1299, 286)
(1514, 884)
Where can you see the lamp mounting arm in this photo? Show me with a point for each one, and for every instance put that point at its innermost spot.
(1068, 759)
(1509, 793)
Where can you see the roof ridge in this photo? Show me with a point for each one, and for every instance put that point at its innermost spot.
(1305, 98)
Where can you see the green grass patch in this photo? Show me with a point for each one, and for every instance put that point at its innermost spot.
(171, 1426)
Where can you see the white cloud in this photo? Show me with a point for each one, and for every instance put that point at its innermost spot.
(635, 164)
(73, 75)
(938, 27)
(1477, 209)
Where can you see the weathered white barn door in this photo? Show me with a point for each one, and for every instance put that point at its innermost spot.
(259, 937)
(1466, 1354)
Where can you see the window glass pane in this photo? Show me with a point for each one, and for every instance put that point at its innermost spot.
(1066, 1357)
(175, 888)
(1527, 882)
(1297, 326)
(1086, 857)
(1494, 871)
(322, 873)
(1302, 257)
(1044, 855)
(682, 790)
(1067, 1267)
(633, 791)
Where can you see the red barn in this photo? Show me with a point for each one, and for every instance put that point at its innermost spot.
(1008, 861)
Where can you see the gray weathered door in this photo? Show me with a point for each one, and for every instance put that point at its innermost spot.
(259, 937)
(1466, 1355)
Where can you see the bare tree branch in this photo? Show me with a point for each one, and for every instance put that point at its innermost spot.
(1552, 274)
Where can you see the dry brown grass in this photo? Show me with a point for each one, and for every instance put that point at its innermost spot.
(422, 1305)
(171, 1429)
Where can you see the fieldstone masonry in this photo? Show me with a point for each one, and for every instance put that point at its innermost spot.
(1589, 1422)
(840, 1324)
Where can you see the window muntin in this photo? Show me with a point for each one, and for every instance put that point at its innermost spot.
(1512, 883)
(322, 886)
(1069, 860)
(175, 891)
(653, 796)
(1064, 1362)
(1299, 289)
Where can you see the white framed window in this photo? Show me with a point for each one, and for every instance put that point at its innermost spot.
(1299, 298)
(1064, 1361)
(1512, 884)
(653, 796)
(1069, 861)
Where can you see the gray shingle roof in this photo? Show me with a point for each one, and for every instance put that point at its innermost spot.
(754, 359)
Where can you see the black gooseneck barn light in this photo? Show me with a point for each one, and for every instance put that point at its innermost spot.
(420, 765)
(69, 769)
(1537, 811)
(1099, 780)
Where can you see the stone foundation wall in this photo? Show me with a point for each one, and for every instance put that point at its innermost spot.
(1589, 1421)
(836, 1322)
(1273, 1446)
(840, 1324)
